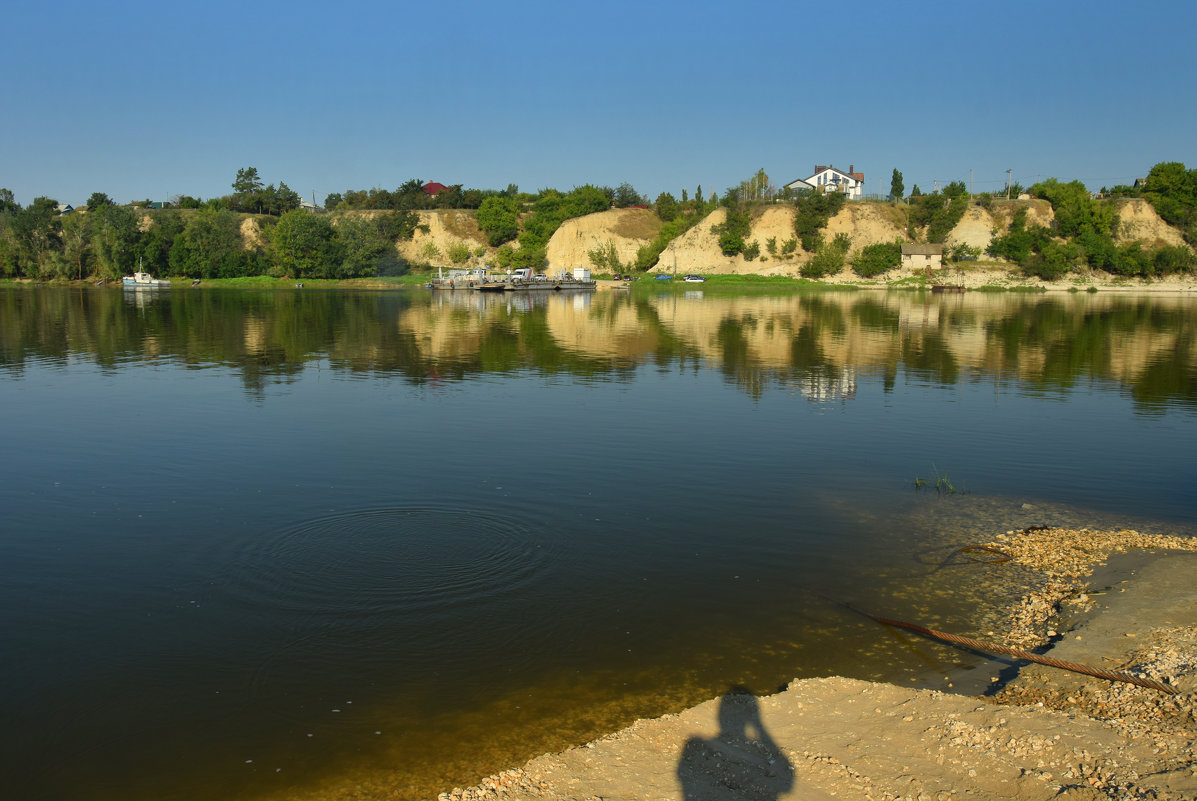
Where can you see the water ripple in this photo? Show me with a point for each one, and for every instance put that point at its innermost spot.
(364, 563)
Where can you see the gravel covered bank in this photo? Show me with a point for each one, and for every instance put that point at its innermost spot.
(1046, 734)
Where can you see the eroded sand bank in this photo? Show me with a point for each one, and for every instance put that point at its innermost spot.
(1047, 733)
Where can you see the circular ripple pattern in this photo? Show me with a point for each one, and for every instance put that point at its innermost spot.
(365, 563)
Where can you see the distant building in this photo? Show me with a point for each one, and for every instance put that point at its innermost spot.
(65, 208)
(309, 206)
(432, 188)
(832, 179)
(920, 256)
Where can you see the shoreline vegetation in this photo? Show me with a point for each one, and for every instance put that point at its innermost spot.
(1044, 733)
(978, 278)
(1052, 233)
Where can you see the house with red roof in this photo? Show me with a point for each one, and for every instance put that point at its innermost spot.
(432, 188)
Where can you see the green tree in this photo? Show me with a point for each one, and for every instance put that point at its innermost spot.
(734, 231)
(813, 210)
(626, 195)
(306, 246)
(8, 202)
(939, 213)
(157, 241)
(498, 218)
(37, 235)
(873, 260)
(284, 199)
(667, 207)
(761, 187)
(1019, 241)
(1075, 209)
(364, 251)
(247, 181)
(896, 187)
(115, 236)
(398, 225)
(8, 241)
(605, 257)
(829, 258)
(1172, 191)
(458, 252)
(210, 246)
(98, 199)
(548, 212)
(76, 244)
(411, 195)
(1171, 179)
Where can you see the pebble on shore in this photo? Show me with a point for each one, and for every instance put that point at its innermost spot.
(1066, 557)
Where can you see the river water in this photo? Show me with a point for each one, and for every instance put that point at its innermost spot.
(309, 545)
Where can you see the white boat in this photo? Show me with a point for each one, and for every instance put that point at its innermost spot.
(141, 279)
(694, 279)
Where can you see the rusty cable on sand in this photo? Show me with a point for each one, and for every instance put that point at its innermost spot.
(1075, 667)
(998, 557)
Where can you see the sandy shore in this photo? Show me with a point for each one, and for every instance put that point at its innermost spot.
(1040, 733)
(990, 276)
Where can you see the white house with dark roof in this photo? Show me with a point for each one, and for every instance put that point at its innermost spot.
(832, 179)
(922, 256)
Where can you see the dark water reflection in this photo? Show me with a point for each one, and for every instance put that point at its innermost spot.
(1143, 343)
(356, 544)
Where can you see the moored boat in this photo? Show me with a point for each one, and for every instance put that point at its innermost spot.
(143, 280)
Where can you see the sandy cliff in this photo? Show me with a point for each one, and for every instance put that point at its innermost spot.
(627, 229)
(1139, 222)
(697, 251)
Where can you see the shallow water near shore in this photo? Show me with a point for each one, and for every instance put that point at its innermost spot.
(305, 545)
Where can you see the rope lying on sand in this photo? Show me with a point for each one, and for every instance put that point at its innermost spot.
(1075, 667)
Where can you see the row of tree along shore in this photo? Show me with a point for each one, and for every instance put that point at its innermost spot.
(211, 239)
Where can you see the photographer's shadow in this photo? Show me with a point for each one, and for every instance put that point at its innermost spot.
(740, 762)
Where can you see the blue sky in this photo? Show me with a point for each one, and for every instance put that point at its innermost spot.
(144, 100)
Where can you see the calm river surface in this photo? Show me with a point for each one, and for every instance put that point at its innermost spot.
(353, 544)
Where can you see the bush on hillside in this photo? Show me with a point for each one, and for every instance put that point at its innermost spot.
(813, 210)
(828, 259)
(873, 260)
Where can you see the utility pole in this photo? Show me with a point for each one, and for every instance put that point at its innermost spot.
(1008, 181)
(970, 184)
